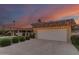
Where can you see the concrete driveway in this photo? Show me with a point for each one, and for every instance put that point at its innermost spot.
(39, 47)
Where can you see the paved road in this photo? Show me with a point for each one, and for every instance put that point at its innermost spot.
(40, 47)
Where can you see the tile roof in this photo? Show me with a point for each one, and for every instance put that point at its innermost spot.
(70, 22)
(17, 25)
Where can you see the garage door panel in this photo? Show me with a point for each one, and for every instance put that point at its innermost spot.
(57, 34)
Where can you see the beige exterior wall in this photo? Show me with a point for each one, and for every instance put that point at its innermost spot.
(62, 33)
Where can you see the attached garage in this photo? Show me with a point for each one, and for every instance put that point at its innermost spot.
(52, 34)
(59, 31)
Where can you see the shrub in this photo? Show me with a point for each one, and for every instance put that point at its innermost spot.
(32, 35)
(21, 38)
(75, 39)
(15, 40)
(5, 42)
(27, 38)
(18, 38)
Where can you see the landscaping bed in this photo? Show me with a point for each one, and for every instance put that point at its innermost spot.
(6, 41)
(75, 41)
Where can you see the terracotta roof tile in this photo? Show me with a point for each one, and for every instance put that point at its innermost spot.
(54, 23)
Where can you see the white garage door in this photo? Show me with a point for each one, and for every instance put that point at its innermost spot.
(52, 34)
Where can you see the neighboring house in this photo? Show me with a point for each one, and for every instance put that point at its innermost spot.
(57, 30)
(75, 28)
(18, 28)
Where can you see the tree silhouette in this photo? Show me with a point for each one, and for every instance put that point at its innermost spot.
(39, 20)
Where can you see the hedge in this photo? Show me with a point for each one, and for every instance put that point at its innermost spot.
(32, 35)
(8, 41)
(18, 39)
(5, 42)
(27, 38)
(75, 39)
(21, 38)
(15, 40)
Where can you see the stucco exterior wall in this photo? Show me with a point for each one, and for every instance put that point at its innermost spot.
(58, 34)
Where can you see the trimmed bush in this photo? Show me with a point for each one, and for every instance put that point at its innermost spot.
(18, 38)
(75, 39)
(27, 38)
(21, 38)
(15, 40)
(5, 42)
(32, 35)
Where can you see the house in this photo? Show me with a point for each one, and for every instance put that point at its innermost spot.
(56, 30)
(17, 29)
(75, 28)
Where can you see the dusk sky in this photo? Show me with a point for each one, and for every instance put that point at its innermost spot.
(31, 13)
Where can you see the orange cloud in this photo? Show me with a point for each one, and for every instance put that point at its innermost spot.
(47, 15)
(68, 11)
